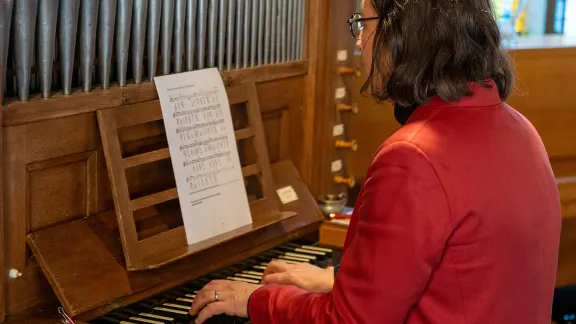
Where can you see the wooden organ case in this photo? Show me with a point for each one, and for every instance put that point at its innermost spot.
(84, 148)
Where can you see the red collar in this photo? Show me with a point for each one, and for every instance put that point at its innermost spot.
(482, 96)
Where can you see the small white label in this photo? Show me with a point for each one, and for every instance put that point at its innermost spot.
(338, 130)
(336, 166)
(287, 194)
(342, 55)
(340, 93)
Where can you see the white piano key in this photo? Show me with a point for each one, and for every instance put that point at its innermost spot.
(170, 310)
(140, 319)
(310, 251)
(243, 280)
(302, 256)
(171, 305)
(288, 261)
(249, 276)
(293, 258)
(315, 248)
(165, 318)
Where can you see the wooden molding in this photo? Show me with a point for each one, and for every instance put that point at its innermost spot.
(59, 105)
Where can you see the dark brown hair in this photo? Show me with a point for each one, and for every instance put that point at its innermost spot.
(428, 47)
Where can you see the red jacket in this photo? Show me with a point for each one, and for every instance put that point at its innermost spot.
(458, 222)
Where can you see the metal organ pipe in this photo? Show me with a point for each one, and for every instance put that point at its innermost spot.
(247, 34)
(180, 35)
(222, 23)
(87, 30)
(47, 14)
(212, 35)
(24, 30)
(139, 19)
(123, 24)
(68, 28)
(167, 30)
(153, 37)
(202, 20)
(191, 8)
(5, 22)
(106, 39)
(230, 35)
(239, 32)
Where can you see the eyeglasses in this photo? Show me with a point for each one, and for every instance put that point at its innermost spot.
(356, 24)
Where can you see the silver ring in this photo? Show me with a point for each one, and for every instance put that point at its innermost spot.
(216, 295)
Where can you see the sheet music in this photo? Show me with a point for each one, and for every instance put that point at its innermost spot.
(204, 154)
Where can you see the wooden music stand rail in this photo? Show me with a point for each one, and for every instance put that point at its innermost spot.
(171, 245)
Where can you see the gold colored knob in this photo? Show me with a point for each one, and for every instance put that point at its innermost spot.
(349, 71)
(352, 108)
(350, 181)
(347, 144)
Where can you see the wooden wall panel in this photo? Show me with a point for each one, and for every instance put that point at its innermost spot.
(546, 79)
(338, 54)
(315, 92)
(61, 190)
(53, 177)
(32, 288)
(281, 103)
(545, 83)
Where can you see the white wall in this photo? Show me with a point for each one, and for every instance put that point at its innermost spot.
(536, 17)
(570, 22)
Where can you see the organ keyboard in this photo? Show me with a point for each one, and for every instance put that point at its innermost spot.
(172, 306)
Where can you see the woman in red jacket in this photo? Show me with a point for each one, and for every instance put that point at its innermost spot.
(459, 218)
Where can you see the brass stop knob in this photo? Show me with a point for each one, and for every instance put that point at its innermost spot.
(352, 108)
(352, 145)
(350, 181)
(348, 71)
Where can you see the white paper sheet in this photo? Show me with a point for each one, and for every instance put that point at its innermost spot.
(204, 154)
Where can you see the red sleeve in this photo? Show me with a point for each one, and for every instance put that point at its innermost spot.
(403, 225)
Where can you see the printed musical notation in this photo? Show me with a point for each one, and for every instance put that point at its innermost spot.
(204, 154)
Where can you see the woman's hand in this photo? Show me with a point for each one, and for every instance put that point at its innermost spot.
(302, 275)
(222, 297)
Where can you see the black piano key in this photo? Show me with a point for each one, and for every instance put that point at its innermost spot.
(185, 294)
(186, 290)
